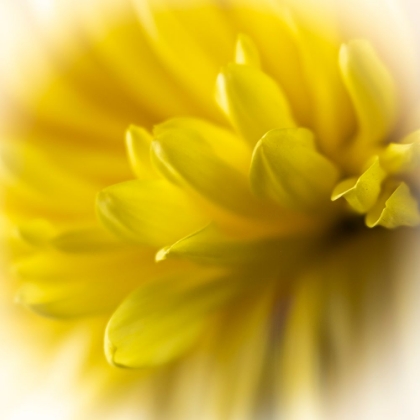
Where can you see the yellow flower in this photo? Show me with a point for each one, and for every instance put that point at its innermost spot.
(268, 176)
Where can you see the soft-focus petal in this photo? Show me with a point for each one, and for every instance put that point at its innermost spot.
(252, 101)
(316, 37)
(65, 285)
(160, 321)
(147, 212)
(372, 91)
(211, 246)
(246, 52)
(138, 141)
(402, 157)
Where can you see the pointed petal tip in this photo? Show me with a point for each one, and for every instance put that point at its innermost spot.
(162, 254)
(397, 207)
(110, 351)
(246, 51)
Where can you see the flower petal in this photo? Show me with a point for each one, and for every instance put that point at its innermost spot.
(331, 115)
(40, 185)
(241, 337)
(361, 193)
(372, 91)
(187, 156)
(90, 239)
(147, 212)
(185, 44)
(247, 52)
(397, 207)
(402, 157)
(211, 246)
(162, 320)
(138, 141)
(36, 232)
(252, 101)
(287, 168)
(67, 285)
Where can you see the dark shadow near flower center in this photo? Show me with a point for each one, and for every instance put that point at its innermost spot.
(348, 226)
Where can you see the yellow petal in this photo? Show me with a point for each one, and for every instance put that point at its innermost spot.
(361, 193)
(211, 246)
(397, 207)
(225, 143)
(60, 284)
(246, 335)
(317, 37)
(402, 157)
(287, 168)
(36, 232)
(247, 52)
(187, 156)
(38, 182)
(70, 299)
(252, 101)
(138, 141)
(147, 212)
(372, 91)
(269, 27)
(160, 321)
(298, 364)
(91, 239)
(184, 42)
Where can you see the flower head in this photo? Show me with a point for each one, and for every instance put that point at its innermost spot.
(237, 253)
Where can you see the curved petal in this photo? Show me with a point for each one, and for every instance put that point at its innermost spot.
(160, 321)
(317, 38)
(402, 157)
(68, 285)
(152, 213)
(397, 207)
(187, 156)
(138, 141)
(287, 168)
(211, 246)
(252, 101)
(39, 183)
(372, 91)
(247, 52)
(361, 193)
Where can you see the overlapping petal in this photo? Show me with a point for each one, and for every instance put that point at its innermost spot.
(362, 192)
(160, 321)
(373, 93)
(397, 207)
(187, 156)
(210, 246)
(152, 212)
(287, 168)
(253, 102)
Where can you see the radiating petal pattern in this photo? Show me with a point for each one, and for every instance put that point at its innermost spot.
(218, 252)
